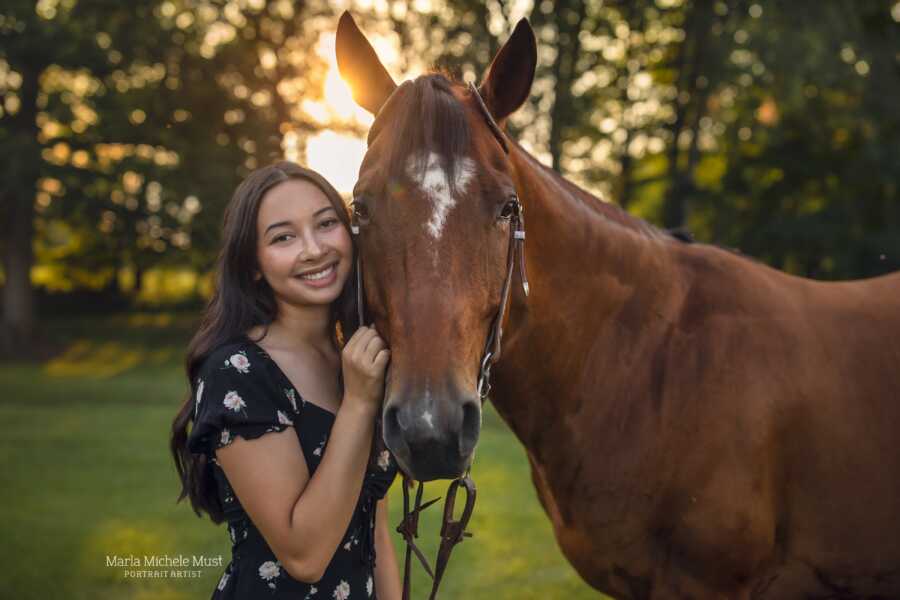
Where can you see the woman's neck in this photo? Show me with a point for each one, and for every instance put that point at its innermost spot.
(299, 328)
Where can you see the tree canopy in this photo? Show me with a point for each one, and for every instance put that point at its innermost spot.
(769, 127)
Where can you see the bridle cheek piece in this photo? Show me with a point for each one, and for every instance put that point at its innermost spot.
(453, 532)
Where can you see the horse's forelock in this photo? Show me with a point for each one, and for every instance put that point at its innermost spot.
(422, 118)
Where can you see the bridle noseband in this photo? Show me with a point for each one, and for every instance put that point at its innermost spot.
(453, 532)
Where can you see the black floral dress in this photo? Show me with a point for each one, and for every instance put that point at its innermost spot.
(241, 392)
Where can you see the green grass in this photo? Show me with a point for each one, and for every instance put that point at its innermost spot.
(85, 466)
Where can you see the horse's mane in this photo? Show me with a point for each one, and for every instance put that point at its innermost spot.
(607, 210)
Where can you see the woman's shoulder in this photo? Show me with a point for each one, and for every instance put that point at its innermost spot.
(236, 395)
(237, 356)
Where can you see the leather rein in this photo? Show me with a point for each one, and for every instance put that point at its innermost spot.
(454, 531)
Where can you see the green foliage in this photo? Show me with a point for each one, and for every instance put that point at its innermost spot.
(777, 122)
(770, 127)
(145, 115)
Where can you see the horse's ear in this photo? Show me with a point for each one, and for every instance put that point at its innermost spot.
(508, 81)
(359, 66)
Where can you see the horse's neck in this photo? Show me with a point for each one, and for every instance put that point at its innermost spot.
(602, 284)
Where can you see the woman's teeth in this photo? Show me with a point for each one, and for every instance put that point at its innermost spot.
(319, 274)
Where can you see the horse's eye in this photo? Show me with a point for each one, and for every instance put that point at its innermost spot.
(360, 210)
(510, 209)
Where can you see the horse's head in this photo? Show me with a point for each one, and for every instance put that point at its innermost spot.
(434, 202)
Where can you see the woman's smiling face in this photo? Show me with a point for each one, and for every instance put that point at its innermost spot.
(304, 251)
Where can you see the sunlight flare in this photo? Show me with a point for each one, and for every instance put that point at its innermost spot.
(337, 157)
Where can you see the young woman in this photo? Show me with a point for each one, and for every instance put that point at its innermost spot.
(283, 414)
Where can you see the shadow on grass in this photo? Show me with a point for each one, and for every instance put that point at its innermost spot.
(88, 358)
(101, 348)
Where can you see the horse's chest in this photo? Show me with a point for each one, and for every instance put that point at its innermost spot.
(598, 539)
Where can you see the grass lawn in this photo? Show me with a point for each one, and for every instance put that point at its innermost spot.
(85, 465)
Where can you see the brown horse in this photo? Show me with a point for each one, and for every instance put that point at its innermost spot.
(698, 425)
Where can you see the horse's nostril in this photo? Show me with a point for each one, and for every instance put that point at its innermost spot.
(471, 426)
(392, 423)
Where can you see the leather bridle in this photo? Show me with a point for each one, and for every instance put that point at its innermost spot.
(453, 532)
(491, 352)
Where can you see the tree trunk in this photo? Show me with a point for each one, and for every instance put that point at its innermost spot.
(17, 330)
(138, 266)
(691, 59)
(568, 48)
(18, 301)
(626, 177)
(634, 17)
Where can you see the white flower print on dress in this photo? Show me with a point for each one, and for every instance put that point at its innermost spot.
(384, 460)
(310, 593)
(199, 395)
(233, 401)
(268, 571)
(225, 438)
(239, 362)
(283, 419)
(318, 450)
(369, 586)
(342, 591)
(292, 396)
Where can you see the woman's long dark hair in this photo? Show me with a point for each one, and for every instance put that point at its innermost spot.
(239, 303)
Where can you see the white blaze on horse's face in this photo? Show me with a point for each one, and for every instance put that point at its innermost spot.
(436, 185)
(426, 414)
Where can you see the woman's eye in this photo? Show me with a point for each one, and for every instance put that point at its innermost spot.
(328, 223)
(282, 237)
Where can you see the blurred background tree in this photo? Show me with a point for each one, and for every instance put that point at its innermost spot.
(124, 128)
(764, 126)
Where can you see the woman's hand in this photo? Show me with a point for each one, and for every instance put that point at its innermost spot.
(364, 359)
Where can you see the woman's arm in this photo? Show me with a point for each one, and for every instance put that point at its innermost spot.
(387, 571)
(302, 519)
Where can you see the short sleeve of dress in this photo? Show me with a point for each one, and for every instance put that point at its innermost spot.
(234, 396)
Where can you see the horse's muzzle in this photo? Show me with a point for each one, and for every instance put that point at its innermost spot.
(432, 440)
